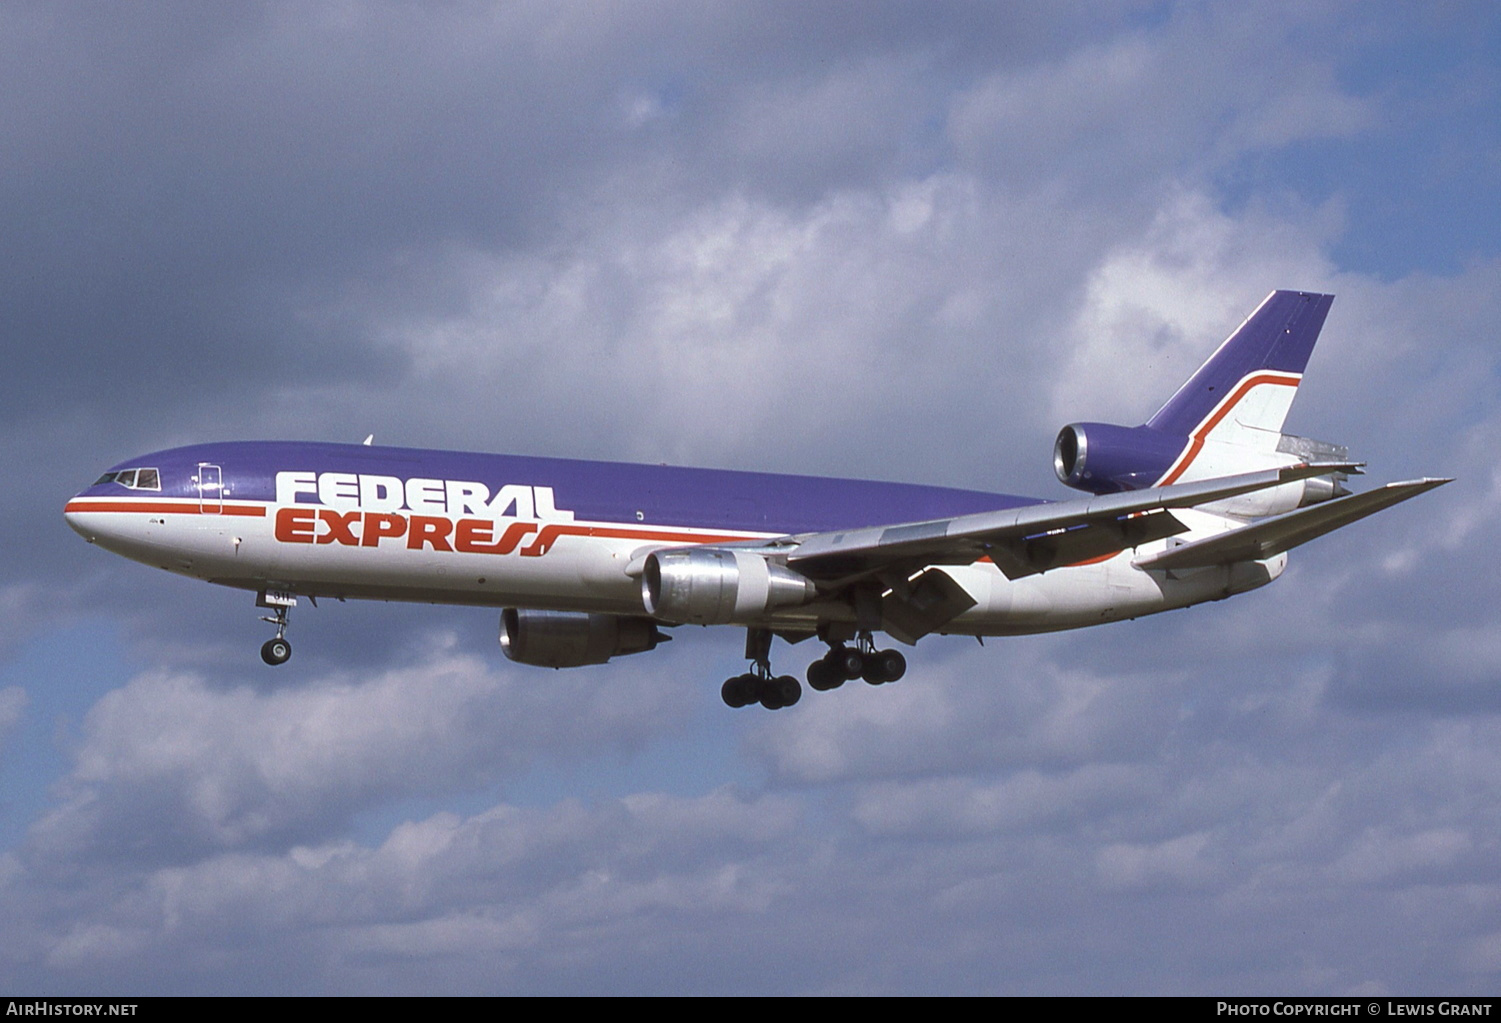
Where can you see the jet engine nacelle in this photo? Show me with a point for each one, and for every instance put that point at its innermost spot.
(570, 639)
(1102, 458)
(714, 586)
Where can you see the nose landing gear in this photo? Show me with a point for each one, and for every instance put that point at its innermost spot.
(276, 651)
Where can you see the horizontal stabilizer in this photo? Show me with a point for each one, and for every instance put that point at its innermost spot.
(1284, 532)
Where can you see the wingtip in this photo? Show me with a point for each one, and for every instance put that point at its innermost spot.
(1424, 483)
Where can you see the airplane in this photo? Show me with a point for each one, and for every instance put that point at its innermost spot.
(593, 560)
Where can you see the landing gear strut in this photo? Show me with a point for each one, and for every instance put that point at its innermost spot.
(759, 685)
(276, 651)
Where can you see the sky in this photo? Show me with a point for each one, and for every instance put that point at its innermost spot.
(884, 240)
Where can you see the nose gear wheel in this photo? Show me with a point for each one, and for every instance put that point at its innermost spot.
(278, 650)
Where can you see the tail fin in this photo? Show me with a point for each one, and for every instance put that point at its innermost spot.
(1232, 409)
(1226, 420)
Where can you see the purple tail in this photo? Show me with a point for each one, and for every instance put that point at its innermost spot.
(1277, 338)
(1227, 418)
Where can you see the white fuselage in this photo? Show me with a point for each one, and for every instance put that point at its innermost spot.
(567, 564)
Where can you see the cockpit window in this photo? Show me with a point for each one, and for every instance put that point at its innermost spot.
(135, 479)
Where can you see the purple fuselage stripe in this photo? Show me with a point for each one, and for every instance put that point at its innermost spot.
(593, 491)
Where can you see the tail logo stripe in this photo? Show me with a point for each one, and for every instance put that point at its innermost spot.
(1204, 429)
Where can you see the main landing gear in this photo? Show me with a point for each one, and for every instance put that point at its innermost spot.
(841, 664)
(276, 651)
(845, 664)
(759, 685)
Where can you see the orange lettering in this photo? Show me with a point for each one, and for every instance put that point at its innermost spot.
(477, 536)
(379, 525)
(338, 527)
(546, 539)
(474, 536)
(429, 529)
(295, 525)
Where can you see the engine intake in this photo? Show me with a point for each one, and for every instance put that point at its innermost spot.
(1102, 458)
(713, 586)
(570, 639)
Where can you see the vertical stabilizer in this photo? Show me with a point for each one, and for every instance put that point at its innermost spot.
(1232, 409)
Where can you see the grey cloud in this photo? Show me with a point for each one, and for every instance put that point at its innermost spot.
(1007, 704)
(13, 702)
(169, 768)
(681, 893)
(1117, 113)
(539, 894)
(1030, 801)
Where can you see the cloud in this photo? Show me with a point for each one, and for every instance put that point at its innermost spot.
(733, 332)
(1109, 116)
(508, 899)
(1005, 705)
(1028, 801)
(1162, 302)
(13, 702)
(170, 767)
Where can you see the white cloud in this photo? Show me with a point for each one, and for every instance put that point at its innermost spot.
(13, 702)
(569, 883)
(1028, 801)
(171, 764)
(1379, 856)
(739, 332)
(973, 708)
(1160, 304)
(1175, 861)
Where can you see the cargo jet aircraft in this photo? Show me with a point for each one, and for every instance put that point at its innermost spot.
(591, 560)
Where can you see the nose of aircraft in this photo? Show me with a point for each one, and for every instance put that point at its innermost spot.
(78, 517)
(95, 512)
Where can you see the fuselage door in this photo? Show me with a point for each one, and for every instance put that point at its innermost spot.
(210, 489)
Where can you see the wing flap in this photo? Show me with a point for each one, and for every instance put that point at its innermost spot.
(1283, 532)
(922, 605)
(1033, 555)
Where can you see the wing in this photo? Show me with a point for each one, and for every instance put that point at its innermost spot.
(1027, 540)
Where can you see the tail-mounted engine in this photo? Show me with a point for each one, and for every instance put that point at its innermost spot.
(570, 639)
(1104, 459)
(714, 586)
